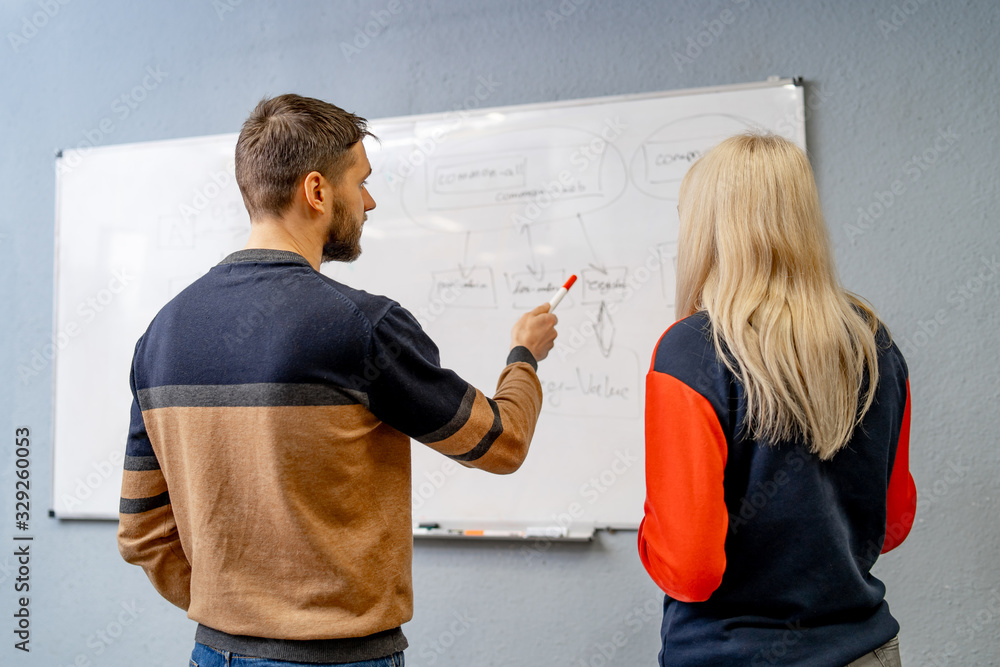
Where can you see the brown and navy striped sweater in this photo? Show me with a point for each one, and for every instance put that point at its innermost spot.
(267, 471)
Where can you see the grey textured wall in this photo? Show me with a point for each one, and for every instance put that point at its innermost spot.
(903, 100)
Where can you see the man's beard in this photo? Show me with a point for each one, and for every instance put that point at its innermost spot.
(344, 243)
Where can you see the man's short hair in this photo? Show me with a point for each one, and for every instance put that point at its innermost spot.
(285, 138)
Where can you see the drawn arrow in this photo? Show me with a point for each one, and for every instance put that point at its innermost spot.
(537, 271)
(599, 266)
(605, 330)
(463, 266)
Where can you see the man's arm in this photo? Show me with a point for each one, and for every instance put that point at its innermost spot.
(435, 406)
(147, 531)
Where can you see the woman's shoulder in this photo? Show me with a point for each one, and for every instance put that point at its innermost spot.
(686, 347)
(888, 351)
(694, 331)
(686, 352)
(890, 355)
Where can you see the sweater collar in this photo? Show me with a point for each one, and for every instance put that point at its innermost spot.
(265, 255)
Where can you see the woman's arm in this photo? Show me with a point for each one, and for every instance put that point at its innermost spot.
(901, 500)
(682, 537)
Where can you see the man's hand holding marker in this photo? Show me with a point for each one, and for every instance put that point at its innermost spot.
(536, 328)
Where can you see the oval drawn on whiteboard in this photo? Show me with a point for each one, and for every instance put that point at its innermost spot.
(661, 161)
(514, 179)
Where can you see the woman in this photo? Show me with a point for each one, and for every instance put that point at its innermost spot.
(777, 431)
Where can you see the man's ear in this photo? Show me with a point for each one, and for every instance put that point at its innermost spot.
(314, 188)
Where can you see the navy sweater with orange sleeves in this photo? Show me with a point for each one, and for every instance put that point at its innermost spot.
(765, 551)
(267, 470)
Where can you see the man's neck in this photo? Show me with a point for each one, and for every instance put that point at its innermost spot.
(275, 235)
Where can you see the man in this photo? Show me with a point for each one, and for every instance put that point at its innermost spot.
(267, 470)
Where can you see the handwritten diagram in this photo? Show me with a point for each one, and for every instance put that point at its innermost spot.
(493, 216)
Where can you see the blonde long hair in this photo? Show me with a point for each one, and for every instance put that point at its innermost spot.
(755, 254)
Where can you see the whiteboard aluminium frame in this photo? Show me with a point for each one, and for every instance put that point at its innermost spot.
(771, 82)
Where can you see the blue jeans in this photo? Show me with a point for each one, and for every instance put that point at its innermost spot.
(206, 656)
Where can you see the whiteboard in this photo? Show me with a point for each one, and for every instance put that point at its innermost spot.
(480, 216)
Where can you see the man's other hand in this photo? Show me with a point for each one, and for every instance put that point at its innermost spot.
(535, 330)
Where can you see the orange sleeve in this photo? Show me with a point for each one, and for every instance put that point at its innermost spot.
(683, 534)
(901, 500)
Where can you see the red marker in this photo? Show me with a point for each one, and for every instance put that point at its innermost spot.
(561, 293)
